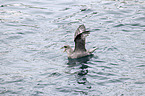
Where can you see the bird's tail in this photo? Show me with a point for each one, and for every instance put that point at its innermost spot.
(92, 50)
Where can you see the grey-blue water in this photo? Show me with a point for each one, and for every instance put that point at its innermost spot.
(33, 31)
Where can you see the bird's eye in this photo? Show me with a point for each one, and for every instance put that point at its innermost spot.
(65, 46)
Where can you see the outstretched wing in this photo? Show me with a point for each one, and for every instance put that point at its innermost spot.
(81, 29)
(79, 38)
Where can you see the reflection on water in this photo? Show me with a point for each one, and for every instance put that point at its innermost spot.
(82, 71)
(81, 78)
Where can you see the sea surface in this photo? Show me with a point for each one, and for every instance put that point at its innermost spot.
(33, 31)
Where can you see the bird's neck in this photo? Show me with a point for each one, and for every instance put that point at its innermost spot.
(69, 51)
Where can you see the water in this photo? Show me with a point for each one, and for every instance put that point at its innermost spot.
(32, 33)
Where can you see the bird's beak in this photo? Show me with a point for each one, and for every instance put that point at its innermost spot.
(62, 48)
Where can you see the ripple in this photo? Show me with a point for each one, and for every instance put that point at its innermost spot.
(141, 66)
(54, 74)
(14, 37)
(119, 25)
(106, 74)
(21, 5)
(114, 12)
(114, 81)
(100, 61)
(136, 24)
(124, 30)
(139, 82)
(105, 67)
(86, 10)
(124, 79)
(141, 18)
(15, 81)
(113, 64)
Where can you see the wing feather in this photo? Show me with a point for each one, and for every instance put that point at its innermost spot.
(79, 38)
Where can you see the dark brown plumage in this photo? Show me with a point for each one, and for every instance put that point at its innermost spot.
(79, 39)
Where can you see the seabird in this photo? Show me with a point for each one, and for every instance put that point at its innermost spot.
(79, 39)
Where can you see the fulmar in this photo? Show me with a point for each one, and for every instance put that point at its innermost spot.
(79, 39)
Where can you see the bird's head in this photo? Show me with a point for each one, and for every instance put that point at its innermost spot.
(67, 49)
